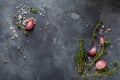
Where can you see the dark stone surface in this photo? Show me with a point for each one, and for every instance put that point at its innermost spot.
(49, 53)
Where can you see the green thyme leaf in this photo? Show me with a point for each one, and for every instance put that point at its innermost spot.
(22, 28)
(33, 10)
(80, 57)
(116, 63)
(100, 23)
(106, 42)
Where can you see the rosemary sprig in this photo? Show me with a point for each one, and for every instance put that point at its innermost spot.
(80, 58)
(97, 57)
(22, 28)
(33, 10)
(100, 23)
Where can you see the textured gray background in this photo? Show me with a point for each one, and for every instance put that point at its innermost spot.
(49, 53)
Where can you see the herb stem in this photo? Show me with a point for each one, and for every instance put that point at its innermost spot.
(98, 74)
(80, 57)
(100, 23)
(22, 28)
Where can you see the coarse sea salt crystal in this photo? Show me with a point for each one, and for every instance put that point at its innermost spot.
(41, 13)
(20, 17)
(118, 39)
(118, 43)
(17, 7)
(11, 27)
(103, 26)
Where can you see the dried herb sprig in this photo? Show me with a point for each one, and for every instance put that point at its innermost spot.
(100, 23)
(22, 28)
(80, 58)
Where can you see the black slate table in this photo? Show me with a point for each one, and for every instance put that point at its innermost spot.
(50, 52)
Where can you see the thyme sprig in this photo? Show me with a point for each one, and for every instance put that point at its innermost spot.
(100, 23)
(22, 28)
(80, 57)
(33, 10)
(98, 74)
(107, 72)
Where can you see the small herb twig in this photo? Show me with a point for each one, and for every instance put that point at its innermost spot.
(80, 57)
(103, 73)
(100, 23)
(98, 74)
(33, 10)
(107, 42)
(22, 28)
(97, 57)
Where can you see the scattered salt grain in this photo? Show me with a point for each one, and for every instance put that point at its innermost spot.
(12, 38)
(40, 29)
(11, 28)
(18, 48)
(17, 7)
(20, 17)
(25, 21)
(24, 6)
(41, 13)
(118, 39)
(45, 27)
(63, 47)
(108, 29)
(14, 16)
(16, 36)
(27, 2)
(111, 46)
(5, 61)
(47, 23)
(103, 26)
(118, 43)
(14, 30)
(54, 40)
(86, 25)
(24, 57)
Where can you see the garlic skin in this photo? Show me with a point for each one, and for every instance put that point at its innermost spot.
(92, 52)
(101, 64)
(102, 40)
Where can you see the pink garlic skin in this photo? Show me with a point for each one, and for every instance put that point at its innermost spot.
(92, 52)
(101, 64)
(30, 24)
(101, 40)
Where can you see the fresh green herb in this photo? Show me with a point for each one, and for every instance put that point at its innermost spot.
(98, 74)
(106, 42)
(116, 63)
(22, 28)
(97, 57)
(80, 58)
(33, 10)
(100, 23)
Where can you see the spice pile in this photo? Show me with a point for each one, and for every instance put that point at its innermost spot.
(24, 20)
(84, 66)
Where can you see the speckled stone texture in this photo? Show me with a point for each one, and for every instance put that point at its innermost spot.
(49, 53)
